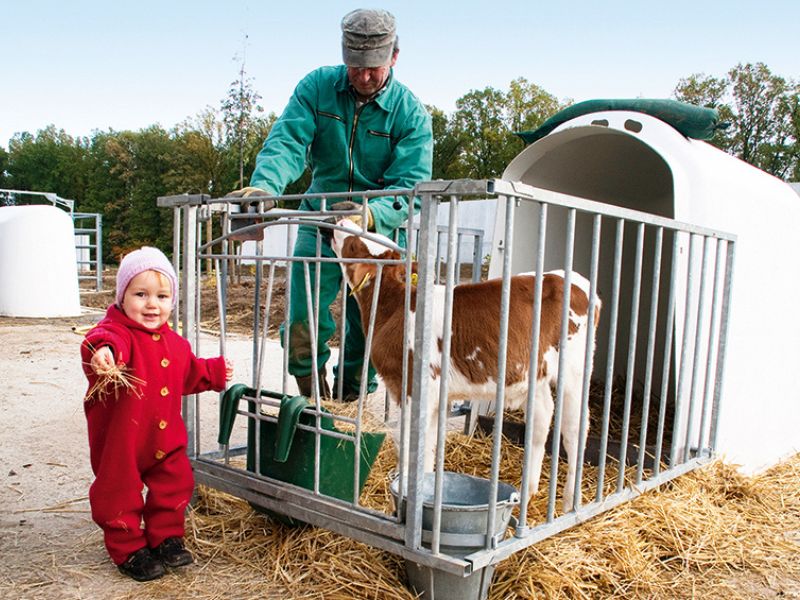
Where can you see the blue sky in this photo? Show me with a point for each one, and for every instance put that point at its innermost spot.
(86, 65)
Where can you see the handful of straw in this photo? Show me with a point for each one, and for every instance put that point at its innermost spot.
(112, 380)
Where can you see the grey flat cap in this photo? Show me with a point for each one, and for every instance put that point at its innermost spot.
(368, 38)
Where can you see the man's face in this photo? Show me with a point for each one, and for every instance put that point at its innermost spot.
(366, 81)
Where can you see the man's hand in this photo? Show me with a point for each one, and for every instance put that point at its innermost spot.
(253, 193)
(246, 192)
(350, 205)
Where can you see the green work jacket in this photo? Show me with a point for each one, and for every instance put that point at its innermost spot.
(386, 143)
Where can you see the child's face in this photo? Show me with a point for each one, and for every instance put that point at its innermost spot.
(148, 299)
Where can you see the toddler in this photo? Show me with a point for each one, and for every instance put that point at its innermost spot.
(137, 436)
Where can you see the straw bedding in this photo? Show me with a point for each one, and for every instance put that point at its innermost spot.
(710, 534)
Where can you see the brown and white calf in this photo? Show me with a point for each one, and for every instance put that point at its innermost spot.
(474, 346)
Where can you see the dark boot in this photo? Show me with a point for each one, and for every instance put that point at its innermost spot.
(348, 394)
(173, 553)
(306, 386)
(142, 566)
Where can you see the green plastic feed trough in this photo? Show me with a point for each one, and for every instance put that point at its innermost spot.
(286, 452)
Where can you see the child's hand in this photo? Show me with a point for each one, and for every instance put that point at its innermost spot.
(228, 369)
(102, 360)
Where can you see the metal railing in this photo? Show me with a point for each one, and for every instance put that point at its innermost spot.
(89, 246)
(651, 390)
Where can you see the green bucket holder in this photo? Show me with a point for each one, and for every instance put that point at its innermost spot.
(287, 453)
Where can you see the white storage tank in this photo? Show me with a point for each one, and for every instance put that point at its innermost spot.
(637, 161)
(38, 268)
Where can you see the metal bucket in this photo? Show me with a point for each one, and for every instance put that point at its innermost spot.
(465, 509)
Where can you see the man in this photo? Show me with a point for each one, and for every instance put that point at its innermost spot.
(358, 129)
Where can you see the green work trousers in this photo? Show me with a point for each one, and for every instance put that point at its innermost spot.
(330, 281)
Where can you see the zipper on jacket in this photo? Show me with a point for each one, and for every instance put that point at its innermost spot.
(352, 142)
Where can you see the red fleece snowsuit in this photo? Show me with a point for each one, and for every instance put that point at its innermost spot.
(140, 439)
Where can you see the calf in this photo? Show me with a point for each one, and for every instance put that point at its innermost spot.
(474, 345)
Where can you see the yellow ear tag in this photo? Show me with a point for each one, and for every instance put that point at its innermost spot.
(414, 278)
(361, 285)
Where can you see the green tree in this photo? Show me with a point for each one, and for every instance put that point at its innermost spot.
(479, 122)
(447, 145)
(202, 156)
(240, 109)
(528, 105)
(760, 108)
(141, 161)
(50, 161)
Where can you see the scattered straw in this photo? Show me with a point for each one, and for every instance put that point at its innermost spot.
(712, 533)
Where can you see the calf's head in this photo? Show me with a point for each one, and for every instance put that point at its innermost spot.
(347, 243)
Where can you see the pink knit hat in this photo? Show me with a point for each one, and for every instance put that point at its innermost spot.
(144, 259)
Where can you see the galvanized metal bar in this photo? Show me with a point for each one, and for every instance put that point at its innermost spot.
(668, 342)
(422, 356)
(569, 249)
(651, 342)
(714, 326)
(688, 317)
(632, 339)
(698, 339)
(502, 357)
(533, 370)
(177, 263)
(198, 320)
(256, 308)
(315, 374)
(262, 349)
(189, 294)
(588, 357)
(290, 239)
(99, 251)
(477, 259)
(376, 289)
(312, 333)
(442, 409)
(722, 345)
(612, 344)
(408, 346)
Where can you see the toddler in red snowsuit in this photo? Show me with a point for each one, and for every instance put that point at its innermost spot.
(137, 436)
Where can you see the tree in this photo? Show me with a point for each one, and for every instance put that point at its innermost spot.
(528, 105)
(447, 145)
(50, 161)
(479, 123)
(202, 156)
(238, 109)
(140, 161)
(761, 108)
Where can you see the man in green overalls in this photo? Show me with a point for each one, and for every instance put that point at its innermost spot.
(358, 129)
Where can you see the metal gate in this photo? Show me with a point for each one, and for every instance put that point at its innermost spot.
(651, 406)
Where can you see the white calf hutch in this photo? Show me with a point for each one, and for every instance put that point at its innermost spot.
(636, 161)
(38, 267)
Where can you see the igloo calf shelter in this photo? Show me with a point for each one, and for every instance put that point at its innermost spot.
(38, 267)
(635, 160)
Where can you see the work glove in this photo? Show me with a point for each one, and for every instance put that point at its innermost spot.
(254, 193)
(258, 196)
(348, 205)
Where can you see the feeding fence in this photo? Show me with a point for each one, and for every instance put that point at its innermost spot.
(649, 404)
